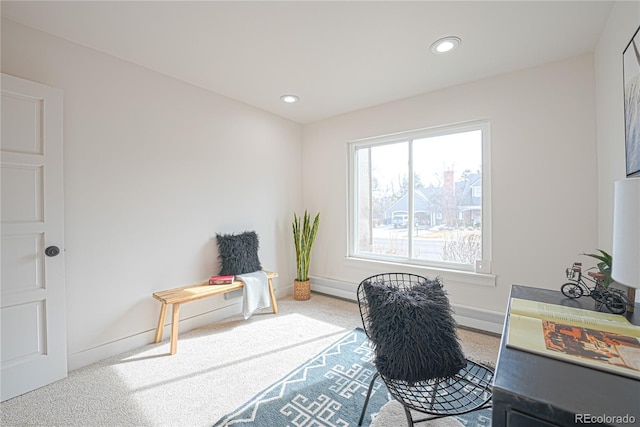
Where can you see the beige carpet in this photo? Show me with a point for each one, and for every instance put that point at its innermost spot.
(216, 369)
(392, 415)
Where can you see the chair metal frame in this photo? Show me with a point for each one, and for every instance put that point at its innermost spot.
(468, 390)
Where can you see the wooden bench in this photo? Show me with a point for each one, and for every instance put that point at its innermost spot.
(178, 296)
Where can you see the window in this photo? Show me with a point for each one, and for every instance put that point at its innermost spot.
(422, 197)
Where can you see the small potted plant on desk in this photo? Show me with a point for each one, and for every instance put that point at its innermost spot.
(304, 235)
(604, 266)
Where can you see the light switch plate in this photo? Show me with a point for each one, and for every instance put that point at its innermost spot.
(483, 266)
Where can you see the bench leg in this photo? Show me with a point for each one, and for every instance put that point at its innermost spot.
(175, 318)
(274, 303)
(163, 313)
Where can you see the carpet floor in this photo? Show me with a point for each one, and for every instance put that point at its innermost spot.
(328, 390)
(392, 415)
(217, 369)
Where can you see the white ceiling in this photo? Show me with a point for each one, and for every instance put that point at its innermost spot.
(336, 56)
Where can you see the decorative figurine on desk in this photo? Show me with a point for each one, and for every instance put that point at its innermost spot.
(614, 299)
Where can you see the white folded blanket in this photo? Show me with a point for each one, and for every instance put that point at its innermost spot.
(256, 292)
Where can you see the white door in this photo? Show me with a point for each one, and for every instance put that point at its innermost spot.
(32, 312)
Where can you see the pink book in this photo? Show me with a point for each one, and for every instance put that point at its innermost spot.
(221, 280)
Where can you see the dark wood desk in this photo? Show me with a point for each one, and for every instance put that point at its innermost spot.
(533, 390)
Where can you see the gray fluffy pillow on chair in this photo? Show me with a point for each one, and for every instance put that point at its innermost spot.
(413, 331)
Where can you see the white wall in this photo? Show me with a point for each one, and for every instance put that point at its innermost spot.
(149, 161)
(543, 144)
(622, 24)
(153, 167)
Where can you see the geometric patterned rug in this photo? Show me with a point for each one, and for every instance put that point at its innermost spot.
(327, 391)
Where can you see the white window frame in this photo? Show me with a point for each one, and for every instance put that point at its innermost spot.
(353, 146)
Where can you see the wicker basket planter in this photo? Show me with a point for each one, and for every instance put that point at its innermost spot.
(304, 234)
(301, 290)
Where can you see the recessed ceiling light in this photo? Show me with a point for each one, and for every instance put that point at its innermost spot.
(289, 98)
(446, 44)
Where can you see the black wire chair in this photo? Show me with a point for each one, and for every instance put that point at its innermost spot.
(468, 390)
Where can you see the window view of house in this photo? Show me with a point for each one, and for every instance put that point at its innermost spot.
(436, 217)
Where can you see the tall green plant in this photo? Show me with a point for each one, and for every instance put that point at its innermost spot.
(304, 235)
(604, 266)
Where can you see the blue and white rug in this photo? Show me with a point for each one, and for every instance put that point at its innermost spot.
(327, 391)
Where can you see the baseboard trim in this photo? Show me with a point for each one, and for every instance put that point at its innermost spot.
(334, 288)
(95, 354)
(471, 317)
(478, 318)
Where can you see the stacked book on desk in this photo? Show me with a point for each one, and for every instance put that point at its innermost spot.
(221, 280)
(602, 341)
